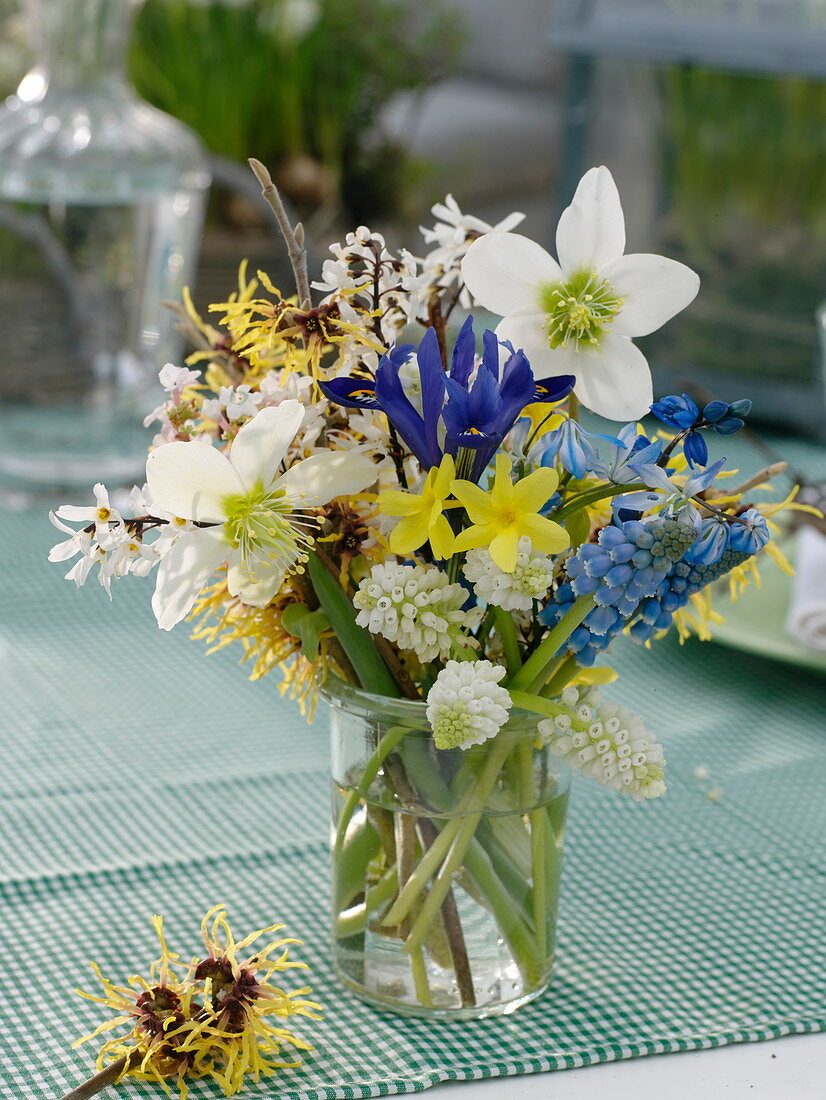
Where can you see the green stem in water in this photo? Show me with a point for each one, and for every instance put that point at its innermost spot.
(420, 983)
(534, 669)
(538, 819)
(353, 921)
(371, 769)
(459, 841)
(510, 643)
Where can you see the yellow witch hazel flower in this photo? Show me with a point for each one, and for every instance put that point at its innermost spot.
(500, 517)
(423, 513)
(211, 1020)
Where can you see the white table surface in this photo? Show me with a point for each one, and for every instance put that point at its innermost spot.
(793, 1068)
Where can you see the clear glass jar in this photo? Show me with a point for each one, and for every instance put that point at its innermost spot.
(101, 208)
(445, 864)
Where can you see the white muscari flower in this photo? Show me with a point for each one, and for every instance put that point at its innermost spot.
(417, 608)
(607, 742)
(530, 580)
(578, 316)
(252, 514)
(467, 705)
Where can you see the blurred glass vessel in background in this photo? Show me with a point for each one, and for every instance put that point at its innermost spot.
(101, 207)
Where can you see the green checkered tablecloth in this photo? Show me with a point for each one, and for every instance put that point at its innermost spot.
(138, 777)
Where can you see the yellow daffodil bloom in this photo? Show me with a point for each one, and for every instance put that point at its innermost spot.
(500, 517)
(423, 513)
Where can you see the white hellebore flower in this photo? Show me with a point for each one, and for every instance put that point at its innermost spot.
(578, 316)
(257, 526)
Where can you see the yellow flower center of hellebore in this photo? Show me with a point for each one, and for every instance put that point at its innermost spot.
(264, 526)
(579, 311)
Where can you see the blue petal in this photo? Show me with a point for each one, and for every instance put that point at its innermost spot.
(464, 351)
(353, 393)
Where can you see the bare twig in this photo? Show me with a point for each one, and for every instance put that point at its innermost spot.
(109, 1076)
(293, 235)
(773, 470)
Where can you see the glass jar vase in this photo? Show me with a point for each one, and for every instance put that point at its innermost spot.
(445, 863)
(101, 209)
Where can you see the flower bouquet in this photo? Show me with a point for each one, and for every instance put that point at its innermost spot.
(427, 534)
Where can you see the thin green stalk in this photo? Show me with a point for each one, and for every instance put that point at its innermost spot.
(371, 769)
(561, 677)
(510, 643)
(535, 704)
(460, 840)
(535, 666)
(420, 983)
(351, 922)
(538, 819)
(593, 496)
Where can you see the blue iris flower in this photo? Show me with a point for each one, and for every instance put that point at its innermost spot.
(438, 413)
(681, 413)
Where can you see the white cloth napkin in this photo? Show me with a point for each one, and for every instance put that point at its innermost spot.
(806, 620)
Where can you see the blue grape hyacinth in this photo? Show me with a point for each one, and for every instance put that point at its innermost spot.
(626, 564)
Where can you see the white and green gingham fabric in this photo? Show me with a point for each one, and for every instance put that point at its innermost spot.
(138, 776)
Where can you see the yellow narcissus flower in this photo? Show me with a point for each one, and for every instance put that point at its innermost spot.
(423, 513)
(501, 516)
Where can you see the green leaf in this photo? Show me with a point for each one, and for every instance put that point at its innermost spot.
(356, 642)
(306, 625)
(578, 526)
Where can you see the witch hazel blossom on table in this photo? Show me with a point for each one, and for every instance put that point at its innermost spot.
(404, 512)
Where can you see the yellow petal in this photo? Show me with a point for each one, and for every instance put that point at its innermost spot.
(545, 535)
(534, 491)
(477, 502)
(441, 538)
(443, 476)
(504, 549)
(409, 535)
(393, 502)
(475, 537)
(502, 492)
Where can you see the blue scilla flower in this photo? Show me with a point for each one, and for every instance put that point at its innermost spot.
(626, 564)
(628, 446)
(726, 419)
(680, 412)
(748, 534)
(571, 444)
(677, 411)
(439, 413)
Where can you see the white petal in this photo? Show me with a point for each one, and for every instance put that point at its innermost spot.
(652, 288)
(504, 271)
(320, 478)
(591, 231)
(527, 331)
(257, 590)
(190, 480)
(260, 445)
(183, 571)
(614, 379)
